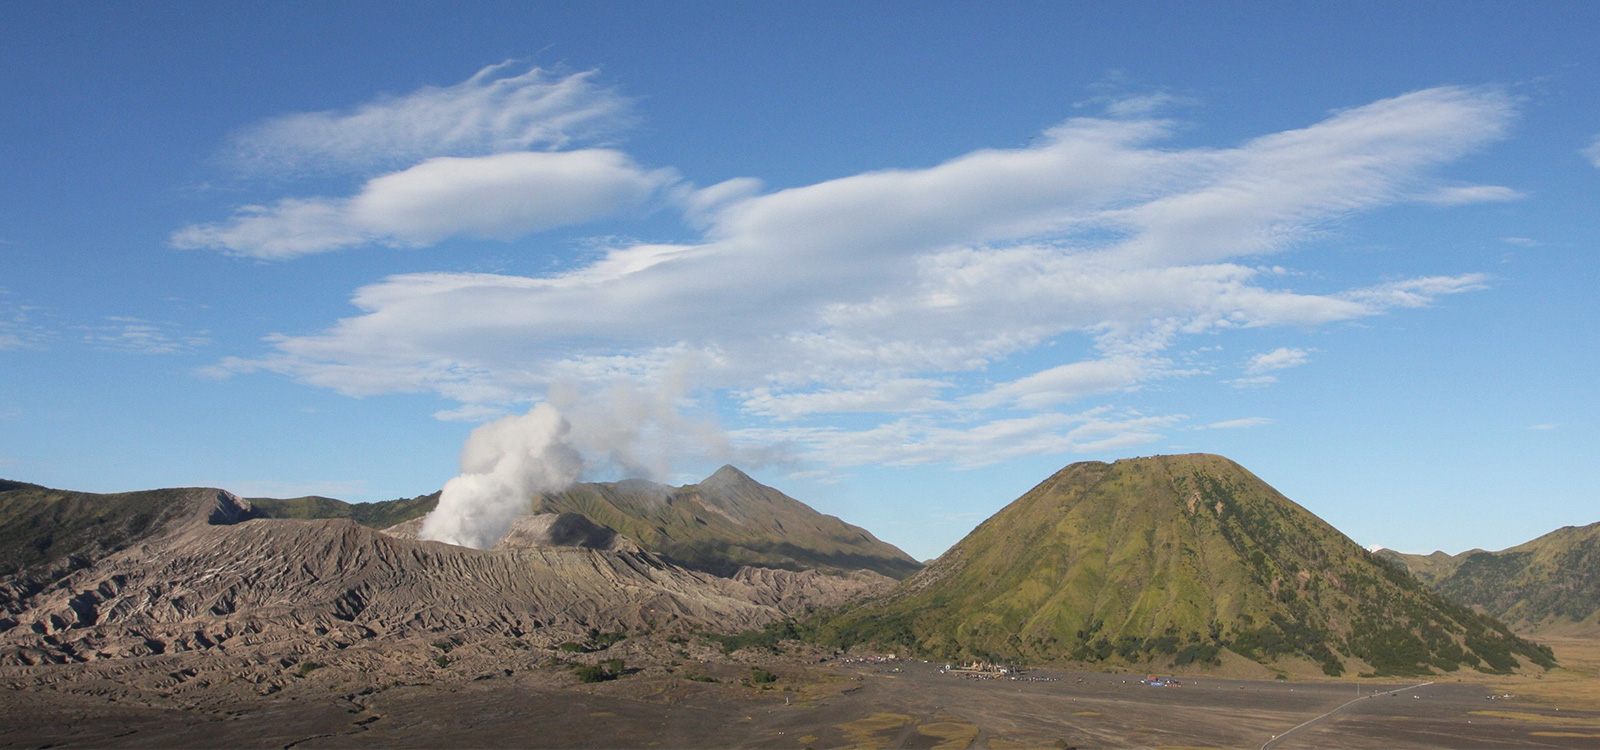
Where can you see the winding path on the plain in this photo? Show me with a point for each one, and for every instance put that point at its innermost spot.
(1269, 744)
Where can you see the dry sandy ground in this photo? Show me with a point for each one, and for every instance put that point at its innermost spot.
(828, 705)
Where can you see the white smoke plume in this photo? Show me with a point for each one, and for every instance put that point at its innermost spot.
(503, 465)
(617, 427)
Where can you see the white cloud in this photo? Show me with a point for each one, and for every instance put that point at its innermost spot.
(501, 196)
(1065, 383)
(898, 395)
(1144, 105)
(1257, 370)
(1521, 241)
(489, 113)
(1592, 151)
(1281, 358)
(1463, 195)
(138, 336)
(916, 441)
(1240, 424)
(1416, 292)
(870, 293)
(18, 327)
(1544, 427)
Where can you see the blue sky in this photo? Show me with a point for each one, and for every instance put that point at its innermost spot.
(901, 261)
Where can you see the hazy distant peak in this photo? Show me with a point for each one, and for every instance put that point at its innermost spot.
(728, 475)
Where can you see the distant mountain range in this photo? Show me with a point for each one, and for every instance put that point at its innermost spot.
(1550, 584)
(1170, 561)
(1176, 559)
(91, 577)
(725, 522)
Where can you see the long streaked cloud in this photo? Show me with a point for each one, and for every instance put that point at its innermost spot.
(1466, 195)
(501, 196)
(1258, 371)
(491, 112)
(916, 441)
(889, 292)
(1240, 424)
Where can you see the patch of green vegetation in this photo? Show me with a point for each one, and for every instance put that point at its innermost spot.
(610, 669)
(1553, 578)
(766, 638)
(761, 676)
(595, 641)
(379, 515)
(307, 667)
(41, 526)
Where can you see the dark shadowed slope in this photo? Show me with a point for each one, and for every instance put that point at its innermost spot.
(1173, 559)
(47, 533)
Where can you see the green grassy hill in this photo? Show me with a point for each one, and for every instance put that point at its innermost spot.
(379, 515)
(1552, 582)
(1175, 560)
(40, 526)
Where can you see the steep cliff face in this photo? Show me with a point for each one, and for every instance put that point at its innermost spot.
(1176, 558)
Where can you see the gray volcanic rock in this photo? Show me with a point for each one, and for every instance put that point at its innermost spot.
(564, 530)
(217, 579)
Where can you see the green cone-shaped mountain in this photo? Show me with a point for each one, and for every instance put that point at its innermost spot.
(1175, 558)
(1550, 583)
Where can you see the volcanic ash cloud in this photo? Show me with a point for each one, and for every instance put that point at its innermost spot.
(503, 465)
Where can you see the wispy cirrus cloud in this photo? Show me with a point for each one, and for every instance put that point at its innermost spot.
(1240, 424)
(917, 441)
(886, 292)
(1258, 371)
(496, 156)
(1466, 195)
(492, 112)
(1592, 151)
(501, 196)
(130, 335)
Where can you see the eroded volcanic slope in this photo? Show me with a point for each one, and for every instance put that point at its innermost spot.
(1176, 559)
(725, 522)
(195, 569)
(1549, 584)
